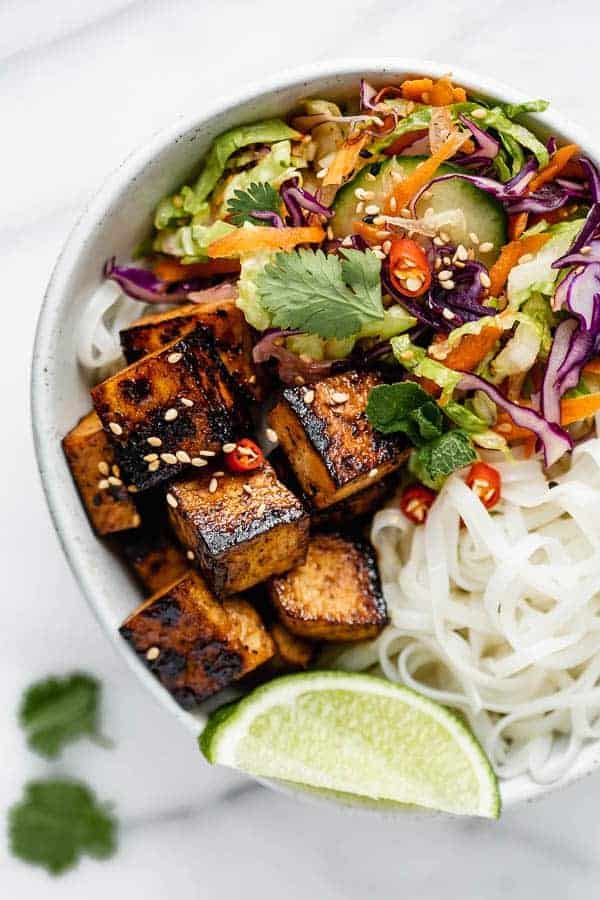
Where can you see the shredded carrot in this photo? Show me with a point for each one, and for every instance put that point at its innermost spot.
(405, 140)
(592, 367)
(510, 256)
(460, 95)
(345, 160)
(171, 270)
(517, 223)
(250, 239)
(439, 93)
(442, 93)
(371, 233)
(572, 409)
(404, 191)
(414, 88)
(472, 348)
(429, 386)
(510, 432)
(558, 161)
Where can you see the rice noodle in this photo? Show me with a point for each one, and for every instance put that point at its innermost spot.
(498, 614)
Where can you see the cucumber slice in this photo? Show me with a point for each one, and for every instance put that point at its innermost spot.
(483, 215)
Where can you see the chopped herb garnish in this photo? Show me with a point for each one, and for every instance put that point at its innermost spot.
(261, 197)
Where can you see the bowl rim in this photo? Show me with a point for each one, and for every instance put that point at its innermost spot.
(93, 213)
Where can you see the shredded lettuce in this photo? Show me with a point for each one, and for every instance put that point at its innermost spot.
(537, 276)
(248, 297)
(513, 137)
(415, 360)
(190, 242)
(464, 418)
(520, 352)
(538, 309)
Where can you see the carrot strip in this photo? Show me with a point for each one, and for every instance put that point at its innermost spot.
(509, 431)
(572, 409)
(517, 224)
(371, 233)
(442, 93)
(345, 160)
(171, 270)
(405, 190)
(472, 348)
(509, 257)
(592, 367)
(404, 141)
(247, 240)
(558, 161)
(413, 89)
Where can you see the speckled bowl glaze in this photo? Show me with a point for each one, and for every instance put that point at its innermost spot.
(112, 225)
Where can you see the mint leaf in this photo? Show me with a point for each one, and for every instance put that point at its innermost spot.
(261, 197)
(405, 407)
(59, 710)
(56, 822)
(322, 295)
(435, 461)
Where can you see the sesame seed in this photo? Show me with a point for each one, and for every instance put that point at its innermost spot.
(261, 510)
(154, 441)
(459, 264)
(116, 471)
(103, 468)
(115, 428)
(229, 448)
(246, 451)
(371, 177)
(447, 285)
(505, 427)
(207, 453)
(485, 279)
(172, 501)
(171, 414)
(103, 484)
(473, 237)
(183, 457)
(382, 235)
(585, 250)
(373, 473)
(372, 209)
(169, 458)
(478, 113)
(150, 457)
(339, 397)
(248, 490)
(486, 246)
(527, 257)
(359, 209)
(309, 396)
(405, 211)
(198, 462)
(213, 485)
(347, 241)
(251, 380)
(322, 173)
(116, 482)
(190, 554)
(447, 261)
(378, 253)
(136, 520)
(438, 242)
(132, 488)
(445, 274)
(445, 237)
(152, 653)
(359, 193)
(271, 435)
(448, 314)
(153, 466)
(174, 358)
(579, 270)
(461, 253)
(386, 247)
(330, 232)
(298, 379)
(393, 204)
(413, 284)
(187, 402)
(219, 474)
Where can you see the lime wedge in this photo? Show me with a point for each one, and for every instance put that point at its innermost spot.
(356, 734)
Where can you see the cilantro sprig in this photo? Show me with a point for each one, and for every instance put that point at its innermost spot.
(322, 294)
(59, 710)
(259, 197)
(57, 821)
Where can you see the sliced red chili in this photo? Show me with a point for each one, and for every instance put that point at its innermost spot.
(245, 457)
(485, 481)
(409, 269)
(416, 502)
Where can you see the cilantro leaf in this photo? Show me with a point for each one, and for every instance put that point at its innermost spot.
(434, 462)
(56, 822)
(259, 197)
(405, 407)
(320, 294)
(58, 710)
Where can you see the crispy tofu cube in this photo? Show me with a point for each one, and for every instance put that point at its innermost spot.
(165, 409)
(194, 644)
(108, 503)
(227, 325)
(155, 557)
(329, 441)
(248, 528)
(356, 506)
(335, 595)
(291, 652)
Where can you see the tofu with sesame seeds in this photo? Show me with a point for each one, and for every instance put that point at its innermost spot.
(154, 556)
(334, 595)
(232, 336)
(91, 458)
(241, 527)
(194, 644)
(329, 441)
(163, 411)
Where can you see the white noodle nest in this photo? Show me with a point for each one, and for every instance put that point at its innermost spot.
(500, 617)
(97, 341)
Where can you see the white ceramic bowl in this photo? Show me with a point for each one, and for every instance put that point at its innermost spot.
(112, 225)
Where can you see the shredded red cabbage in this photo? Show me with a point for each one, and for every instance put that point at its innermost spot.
(510, 191)
(273, 218)
(554, 440)
(488, 146)
(585, 238)
(290, 366)
(296, 199)
(142, 284)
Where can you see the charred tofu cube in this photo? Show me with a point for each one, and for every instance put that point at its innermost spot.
(241, 528)
(335, 595)
(107, 501)
(328, 440)
(155, 557)
(194, 644)
(165, 410)
(356, 507)
(231, 334)
(291, 652)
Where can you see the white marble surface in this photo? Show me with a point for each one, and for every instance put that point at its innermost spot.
(81, 83)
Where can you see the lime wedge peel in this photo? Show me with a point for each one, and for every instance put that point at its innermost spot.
(357, 734)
